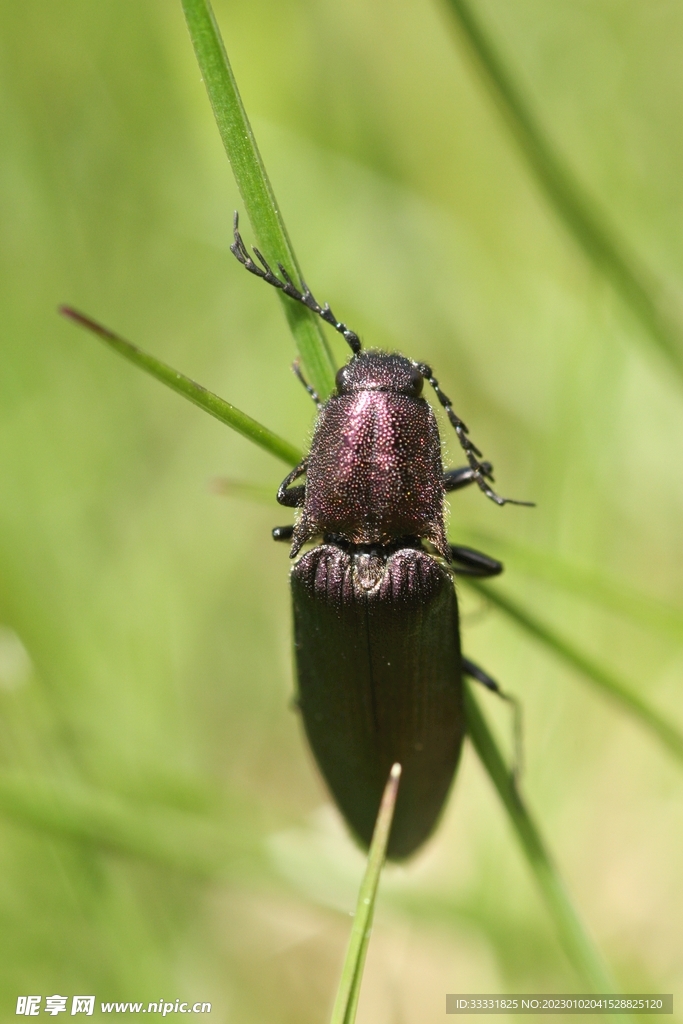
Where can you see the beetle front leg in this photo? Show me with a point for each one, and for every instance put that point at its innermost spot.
(293, 497)
(456, 479)
(474, 563)
(282, 532)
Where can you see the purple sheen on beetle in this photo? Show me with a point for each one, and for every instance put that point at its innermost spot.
(374, 471)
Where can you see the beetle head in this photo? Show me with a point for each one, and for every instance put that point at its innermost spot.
(370, 370)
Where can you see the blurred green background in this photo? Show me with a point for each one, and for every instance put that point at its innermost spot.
(163, 832)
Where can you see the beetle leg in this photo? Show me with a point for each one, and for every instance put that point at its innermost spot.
(293, 497)
(240, 251)
(296, 369)
(473, 670)
(473, 454)
(282, 532)
(474, 563)
(455, 479)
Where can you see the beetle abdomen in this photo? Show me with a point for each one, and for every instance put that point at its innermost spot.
(378, 660)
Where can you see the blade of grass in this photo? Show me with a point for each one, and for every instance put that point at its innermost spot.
(581, 214)
(179, 840)
(254, 186)
(206, 400)
(348, 993)
(606, 680)
(576, 942)
(646, 611)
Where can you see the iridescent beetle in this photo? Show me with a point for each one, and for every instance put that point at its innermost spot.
(376, 628)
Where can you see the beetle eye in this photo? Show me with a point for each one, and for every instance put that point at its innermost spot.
(416, 382)
(340, 380)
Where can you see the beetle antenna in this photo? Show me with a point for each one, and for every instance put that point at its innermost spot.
(240, 251)
(480, 470)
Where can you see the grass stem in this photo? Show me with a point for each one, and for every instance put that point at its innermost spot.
(581, 214)
(602, 677)
(189, 388)
(575, 940)
(348, 993)
(255, 187)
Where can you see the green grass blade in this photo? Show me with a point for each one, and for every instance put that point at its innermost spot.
(614, 595)
(186, 842)
(346, 1003)
(575, 941)
(206, 400)
(580, 213)
(606, 680)
(254, 186)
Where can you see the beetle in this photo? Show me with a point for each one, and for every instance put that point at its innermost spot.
(376, 629)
